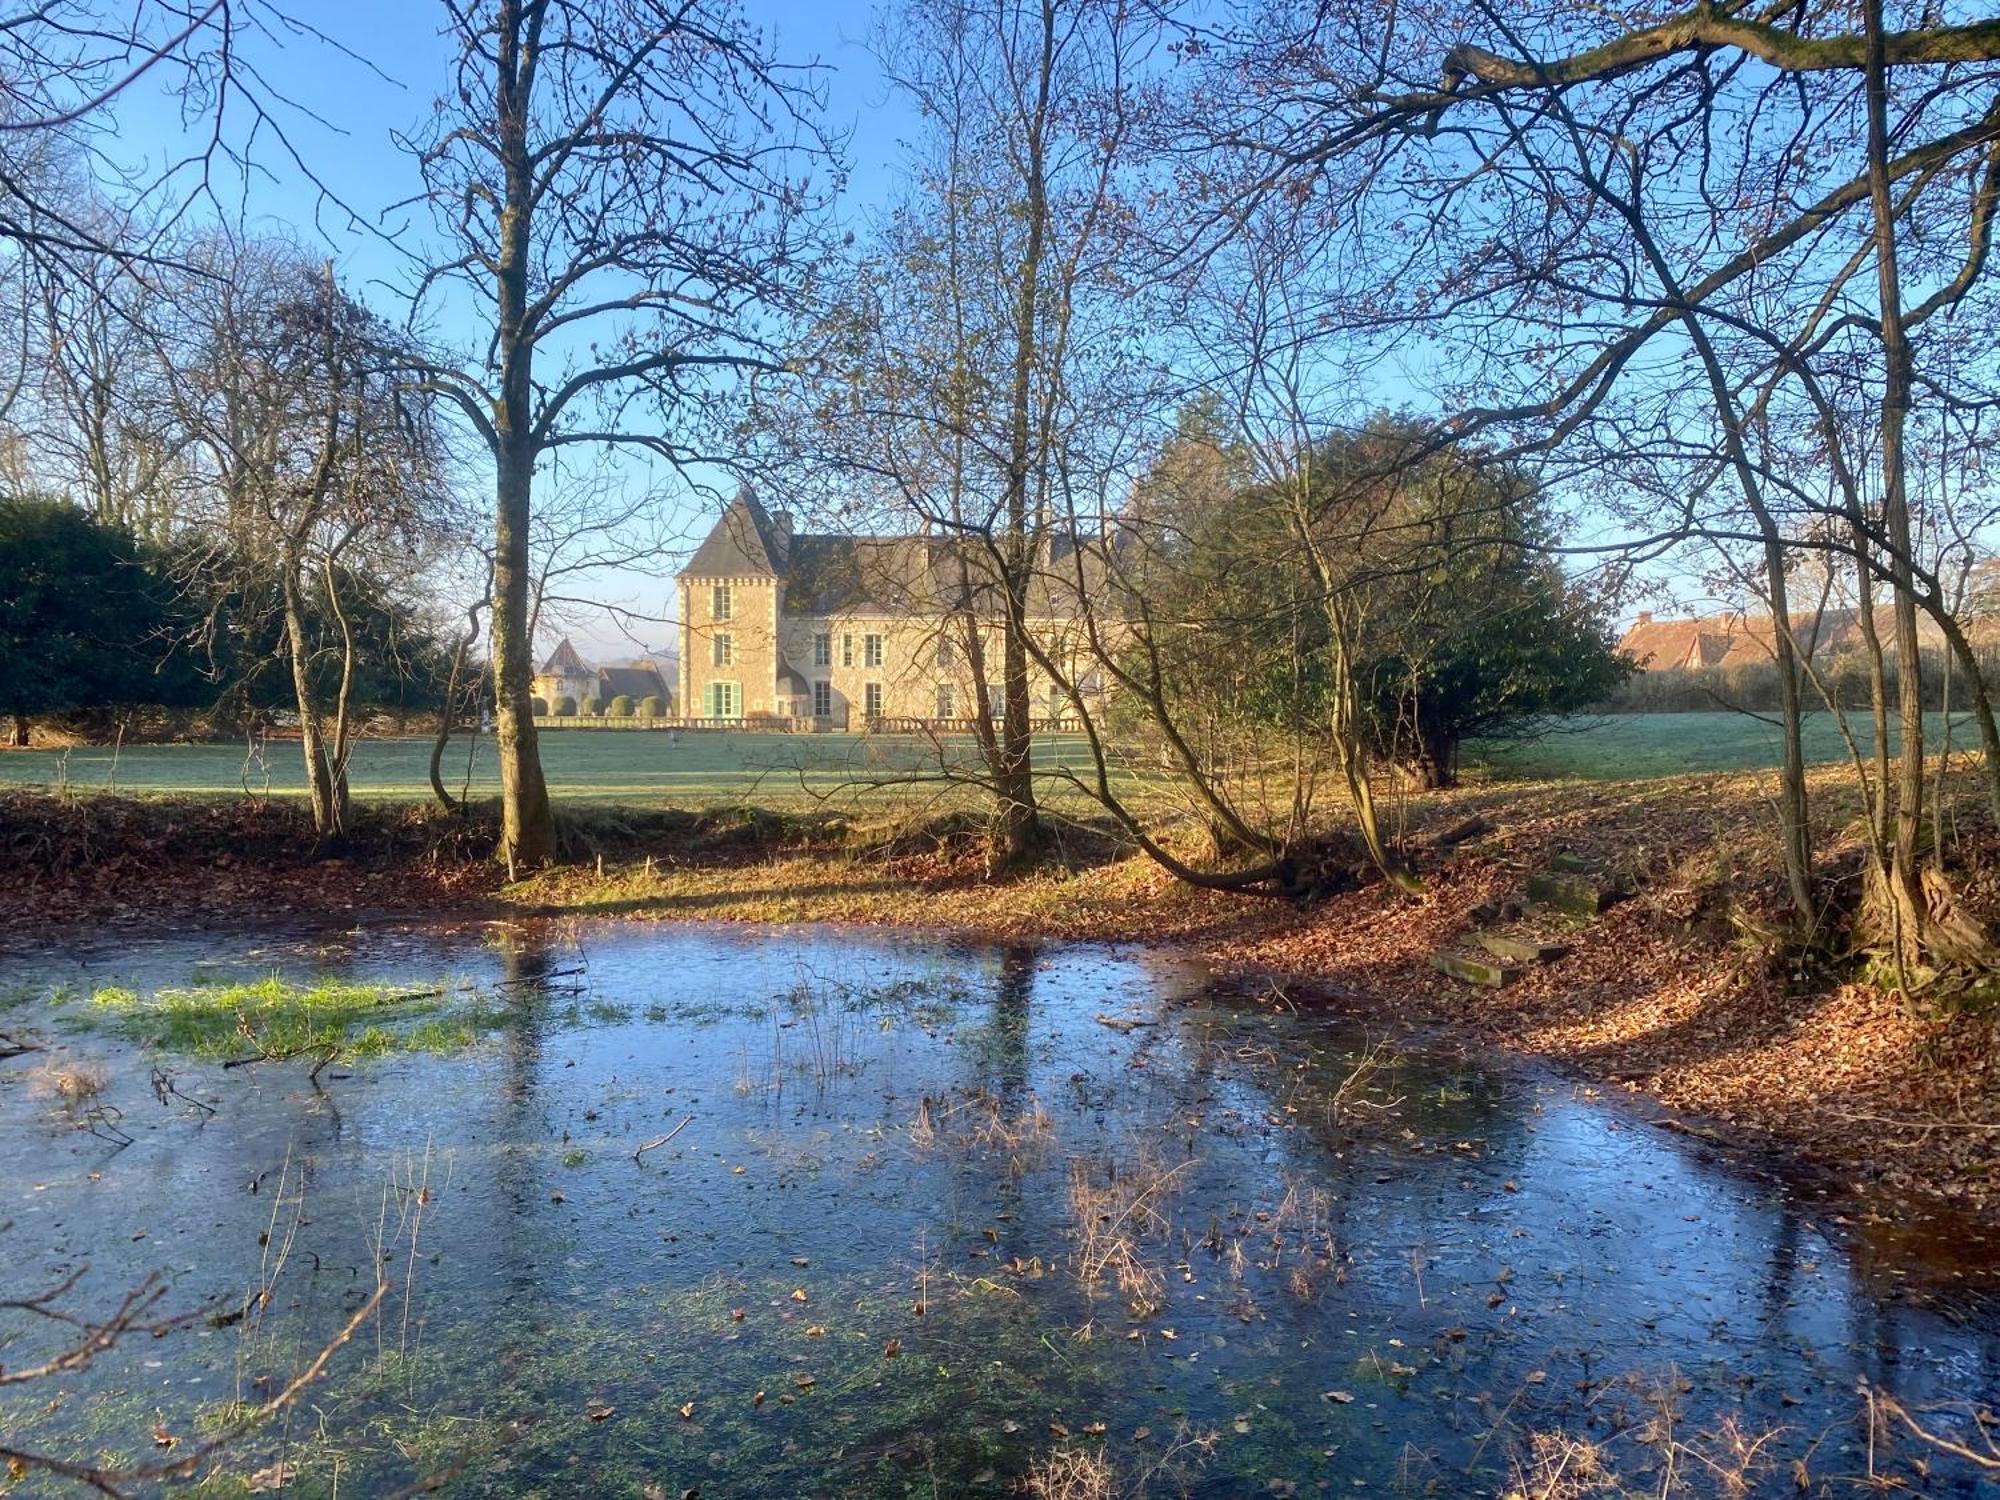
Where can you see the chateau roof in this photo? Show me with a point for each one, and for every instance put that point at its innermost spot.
(745, 543)
(564, 662)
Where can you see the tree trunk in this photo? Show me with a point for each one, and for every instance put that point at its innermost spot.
(328, 807)
(20, 731)
(1906, 891)
(1436, 760)
(1018, 825)
(527, 824)
(447, 714)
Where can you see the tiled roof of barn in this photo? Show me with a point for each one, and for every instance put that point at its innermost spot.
(1737, 639)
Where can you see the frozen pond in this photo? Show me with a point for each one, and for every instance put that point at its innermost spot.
(934, 1219)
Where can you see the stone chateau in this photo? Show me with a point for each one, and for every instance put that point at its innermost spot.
(835, 632)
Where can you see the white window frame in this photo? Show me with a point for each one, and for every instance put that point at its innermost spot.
(725, 649)
(873, 651)
(847, 648)
(822, 699)
(720, 605)
(947, 701)
(725, 700)
(871, 701)
(822, 650)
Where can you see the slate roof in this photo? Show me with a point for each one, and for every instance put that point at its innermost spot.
(564, 662)
(745, 543)
(632, 682)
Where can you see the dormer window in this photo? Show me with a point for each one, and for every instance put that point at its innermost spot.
(718, 607)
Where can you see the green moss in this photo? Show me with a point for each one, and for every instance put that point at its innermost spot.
(283, 1018)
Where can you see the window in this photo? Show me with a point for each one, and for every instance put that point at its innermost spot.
(847, 650)
(945, 705)
(1058, 701)
(725, 651)
(944, 657)
(871, 651)
(723, 700)
(822, 698)
(996, 694)
(822, 650)
(718, 605)
(871, 700)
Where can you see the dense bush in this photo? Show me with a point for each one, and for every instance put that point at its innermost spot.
(89, 618)
(565, 707)
(540, 707)
(650, 707)
(621, 707)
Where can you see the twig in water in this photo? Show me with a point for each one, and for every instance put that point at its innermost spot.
(655, 1144)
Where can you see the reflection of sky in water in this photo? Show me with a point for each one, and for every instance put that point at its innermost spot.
(1491, 1225)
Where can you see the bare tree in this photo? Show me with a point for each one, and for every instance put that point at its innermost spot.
(620, 190)
(980, 342)
(1669, 257)
(317, 460)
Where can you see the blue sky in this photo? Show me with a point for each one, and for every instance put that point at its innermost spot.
(346, 109)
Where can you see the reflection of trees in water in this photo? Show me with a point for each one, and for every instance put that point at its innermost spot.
(528, 964)
(1005, 1070)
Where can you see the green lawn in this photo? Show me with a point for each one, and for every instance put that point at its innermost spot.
(581, 764)
(1616, 747)
(801, 770)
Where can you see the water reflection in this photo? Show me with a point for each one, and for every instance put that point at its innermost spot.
(1363, 1255)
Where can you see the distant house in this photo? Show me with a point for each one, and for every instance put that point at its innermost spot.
(566, 675)
(1737, 639)
(838, 631)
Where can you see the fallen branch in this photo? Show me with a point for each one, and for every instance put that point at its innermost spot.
(659, 1141)
(1990, 1460)
(110, 1481)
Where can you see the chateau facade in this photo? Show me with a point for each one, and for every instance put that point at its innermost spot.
(838, 632)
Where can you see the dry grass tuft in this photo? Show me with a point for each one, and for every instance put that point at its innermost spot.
(1115, 1217)
(1071, 1474)
(73, 1084)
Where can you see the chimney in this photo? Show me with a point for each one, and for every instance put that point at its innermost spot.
(1645, 617)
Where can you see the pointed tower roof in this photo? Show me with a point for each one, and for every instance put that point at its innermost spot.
(745, 543)
(564, 662)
